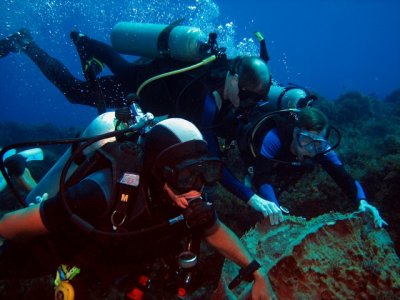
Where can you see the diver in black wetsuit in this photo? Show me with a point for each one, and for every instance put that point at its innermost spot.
(76, 91)
(160, 98)
(164, 214)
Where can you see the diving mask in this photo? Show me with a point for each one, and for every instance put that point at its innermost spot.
(311, 142)
(248, 98)
(193, 174)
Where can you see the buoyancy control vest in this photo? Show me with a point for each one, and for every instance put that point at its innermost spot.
(127, 201)
(252, 133)
(186, 91)
(133, 214)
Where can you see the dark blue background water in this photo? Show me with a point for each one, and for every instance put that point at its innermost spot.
(330, 46)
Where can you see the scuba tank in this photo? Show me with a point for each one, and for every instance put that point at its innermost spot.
(49, 183)
(175, 41)
(32, 154)
(287, 97)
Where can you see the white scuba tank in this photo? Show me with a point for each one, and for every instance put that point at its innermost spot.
(157, 40)
(284, 97)
(50, 183)
(32, 154)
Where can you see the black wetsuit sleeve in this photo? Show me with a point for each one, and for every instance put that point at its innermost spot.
(86, 199)
(341, 177)
(263, 51)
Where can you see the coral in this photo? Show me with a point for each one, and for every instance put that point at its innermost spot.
(393, 101)
(390, 145)
(353, 107)
(394, 97)
(334, 256)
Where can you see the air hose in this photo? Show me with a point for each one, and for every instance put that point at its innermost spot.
(182, 70)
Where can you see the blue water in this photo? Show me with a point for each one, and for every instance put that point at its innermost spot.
(328, 46)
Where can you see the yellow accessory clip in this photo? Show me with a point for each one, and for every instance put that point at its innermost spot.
(259, 36)
(64, 291)
(63, 288)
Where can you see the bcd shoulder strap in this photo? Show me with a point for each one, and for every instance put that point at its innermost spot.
(126, 162)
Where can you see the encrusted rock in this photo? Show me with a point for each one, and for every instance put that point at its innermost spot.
(333, 256)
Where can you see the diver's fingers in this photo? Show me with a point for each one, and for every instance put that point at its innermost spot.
(267, 212)
(274, 218)
(380, 222)
(280, 217)
(182, 202)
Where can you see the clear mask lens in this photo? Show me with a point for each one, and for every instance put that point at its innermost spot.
(312, 143)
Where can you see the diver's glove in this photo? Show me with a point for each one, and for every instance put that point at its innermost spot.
(365, 206)
(15, 165)
(267, 208)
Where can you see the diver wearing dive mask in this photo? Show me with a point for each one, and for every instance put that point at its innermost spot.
(193, 174)
(310, 143)
(291, 145)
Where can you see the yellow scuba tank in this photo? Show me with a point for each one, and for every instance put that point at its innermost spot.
(179, 42)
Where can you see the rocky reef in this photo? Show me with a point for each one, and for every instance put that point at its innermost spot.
(333, 256)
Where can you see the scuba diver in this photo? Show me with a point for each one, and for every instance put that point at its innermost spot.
(212, 94)
(135, 201)
(283, 145)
